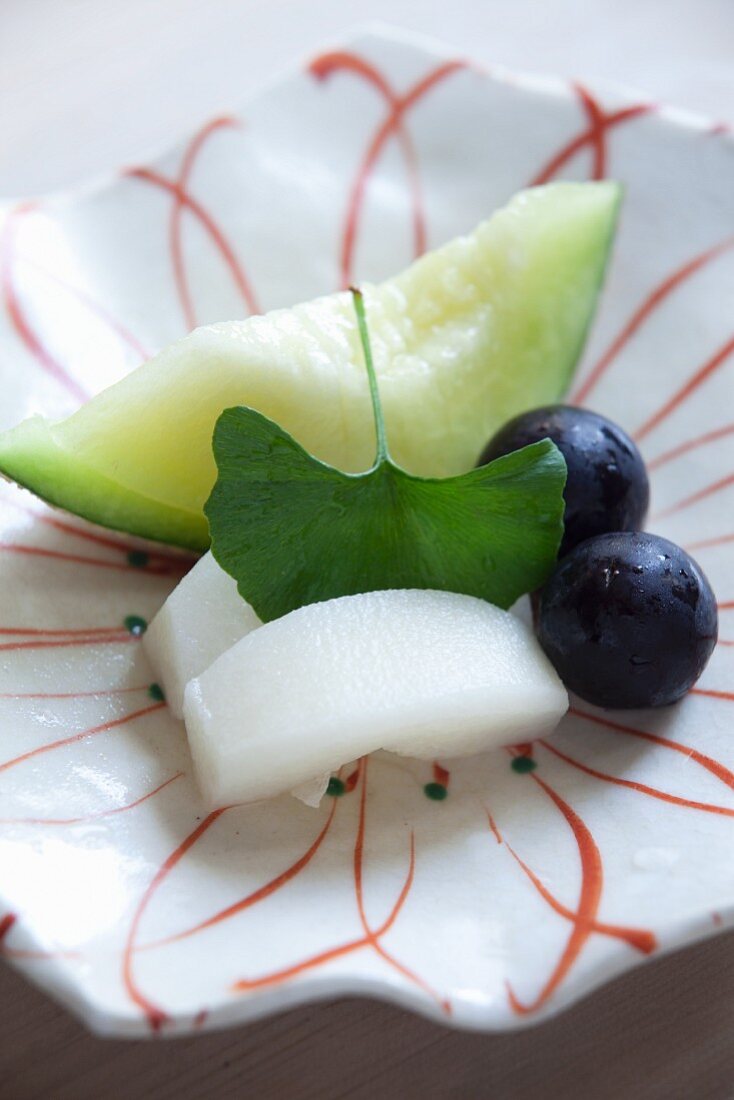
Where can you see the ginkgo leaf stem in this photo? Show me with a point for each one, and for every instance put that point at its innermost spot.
(364, 336)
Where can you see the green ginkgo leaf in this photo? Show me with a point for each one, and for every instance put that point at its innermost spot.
(293, 531)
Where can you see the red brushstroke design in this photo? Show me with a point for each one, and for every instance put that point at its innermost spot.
(653, 300)
(585, 916)
(174, 233)
(690, 445)
(45, 632)
(161, 561)
(641, 939)
(164, 569)
(594, 137)
(705, 544)
(707, 762)
(105, 727)
(207, 222)
(524, 748)
(371, 937)
(101, 694)
(6, 923)
(9, 921)
(397, 105)
(122, 637)
(86, 818)
(255, 896)
(18, 318)
(687, 389)
(712, 694)
(641, 788)
(352, 780)
(441, 775)
(94, 307)
(41, 638)
(694, 498)
(493, 827)
(155, 1015)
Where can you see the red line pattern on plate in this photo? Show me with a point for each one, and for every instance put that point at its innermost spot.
(653, 300)
(6, 923)
(710, 692)
(155, 1015)
(101, 312)
(101, 694)
(694, 498)
(705, 544)
(440, 774)
(161, 561)
(707, 762)
(190, 157)
(704, 372)
(104, 727)
(600, 122)
(18, 318)
(45, 632)
(152, 569)
(690, 445)
(207, 222)
(123, 637)
(371, 938)
(641, 788)
(584, 918)
(9, 921)
(255, 896)
(97, 814)
(398, 105)
(641, 939)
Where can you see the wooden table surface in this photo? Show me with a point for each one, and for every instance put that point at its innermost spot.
(665, 1032)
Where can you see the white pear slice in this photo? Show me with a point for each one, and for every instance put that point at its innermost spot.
(202, 618)
(420, 673)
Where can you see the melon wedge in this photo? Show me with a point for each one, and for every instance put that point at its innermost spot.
(471, 334)
(417, 672)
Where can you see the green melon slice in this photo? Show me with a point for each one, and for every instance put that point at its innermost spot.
(486, 326)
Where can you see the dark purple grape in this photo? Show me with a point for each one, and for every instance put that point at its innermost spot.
(607, 487)
(628, 619)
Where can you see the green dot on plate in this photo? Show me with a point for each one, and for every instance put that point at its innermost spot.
(136, 625)
(138, 558)
(523, 764)
(435, 791)
(155, 691)
(336, 787)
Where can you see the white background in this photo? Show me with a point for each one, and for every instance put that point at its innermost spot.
(88, 85)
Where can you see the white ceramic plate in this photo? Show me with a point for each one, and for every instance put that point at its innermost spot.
(531, 882)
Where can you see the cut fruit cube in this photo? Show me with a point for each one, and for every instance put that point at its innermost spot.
(312, 791)
(483, 328)
(420, 673)
(202, 618)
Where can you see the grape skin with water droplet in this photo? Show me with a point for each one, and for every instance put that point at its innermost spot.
(628, 619)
